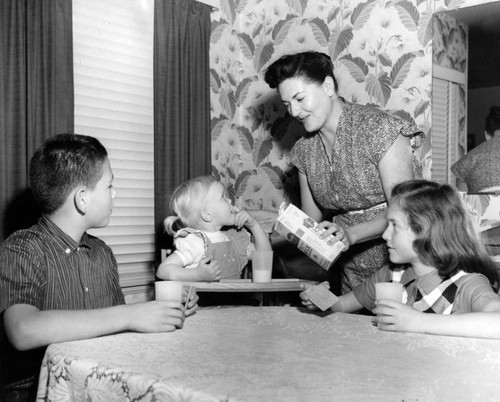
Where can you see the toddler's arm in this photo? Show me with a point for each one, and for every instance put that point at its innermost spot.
(172, 269)
(261, 238)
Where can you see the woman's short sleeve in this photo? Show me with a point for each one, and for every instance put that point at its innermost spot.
(462, 167)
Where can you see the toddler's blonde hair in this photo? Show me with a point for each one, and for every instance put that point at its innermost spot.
(186, 203)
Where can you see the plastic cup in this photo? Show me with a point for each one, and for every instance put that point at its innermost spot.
(262, 266)
(168, 290)
(389, 290)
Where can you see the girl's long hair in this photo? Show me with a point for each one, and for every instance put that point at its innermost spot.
(445, 237)
(186, 203)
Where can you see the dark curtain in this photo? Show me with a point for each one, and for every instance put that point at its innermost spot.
(36, 95)
(181, 99)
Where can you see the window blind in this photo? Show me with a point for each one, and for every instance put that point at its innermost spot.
(440, 129)
(113, 76)
(454, 132)
(445, 129)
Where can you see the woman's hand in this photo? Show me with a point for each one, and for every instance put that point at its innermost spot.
(398, 317)
(305, 299)
(339, 233)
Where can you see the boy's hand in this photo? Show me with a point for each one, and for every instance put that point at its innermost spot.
(192, 303)
(156, 316)
(209, 270)
(305, 297)
(399, 317)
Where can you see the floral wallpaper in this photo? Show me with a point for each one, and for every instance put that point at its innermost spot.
(382, 52)
(450, 43)
(450, 51)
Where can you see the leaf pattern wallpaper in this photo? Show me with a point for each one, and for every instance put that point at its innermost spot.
(382, 52)
(450, 51)
(450, 43)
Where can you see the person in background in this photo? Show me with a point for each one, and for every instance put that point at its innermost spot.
(446, 272)
(348, 163)
(209, 239)
(479, 169)
(57, 282)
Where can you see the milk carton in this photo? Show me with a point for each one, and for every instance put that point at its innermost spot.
(299, 229)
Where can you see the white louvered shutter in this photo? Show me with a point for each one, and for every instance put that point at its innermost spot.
(445, 129)
(113, 75)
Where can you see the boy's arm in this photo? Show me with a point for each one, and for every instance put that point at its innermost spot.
(28, 328)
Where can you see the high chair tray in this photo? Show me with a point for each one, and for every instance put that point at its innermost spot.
(246, 285)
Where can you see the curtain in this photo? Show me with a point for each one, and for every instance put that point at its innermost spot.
(36, 95)
(181, 99)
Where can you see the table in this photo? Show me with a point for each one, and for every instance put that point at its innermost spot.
(273, 353)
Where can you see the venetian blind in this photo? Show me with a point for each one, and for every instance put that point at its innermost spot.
(113, 68)
(445, 122)
(440, 129)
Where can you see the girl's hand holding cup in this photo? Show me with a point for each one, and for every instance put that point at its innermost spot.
(396, 316)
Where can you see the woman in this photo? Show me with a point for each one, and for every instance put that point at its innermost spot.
(348, 163)
(479, 170)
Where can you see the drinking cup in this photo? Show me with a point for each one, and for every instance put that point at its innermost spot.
(262, 266)
(168, 290)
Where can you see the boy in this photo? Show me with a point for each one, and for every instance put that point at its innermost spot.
(58, 283)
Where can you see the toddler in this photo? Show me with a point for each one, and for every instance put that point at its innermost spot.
(210, 239)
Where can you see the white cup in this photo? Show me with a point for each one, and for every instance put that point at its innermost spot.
(389, 290)
(262, 266)
(168, 290)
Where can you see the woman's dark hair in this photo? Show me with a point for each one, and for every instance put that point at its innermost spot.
(311, 66)
(493, 120)
(62, 163)
(445, 236)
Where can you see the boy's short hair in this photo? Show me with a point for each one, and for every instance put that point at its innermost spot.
(62, 163)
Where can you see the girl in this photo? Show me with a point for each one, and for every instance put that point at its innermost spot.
(446, 268)
(203, 251)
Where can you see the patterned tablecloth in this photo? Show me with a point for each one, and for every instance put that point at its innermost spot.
(272, 353)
